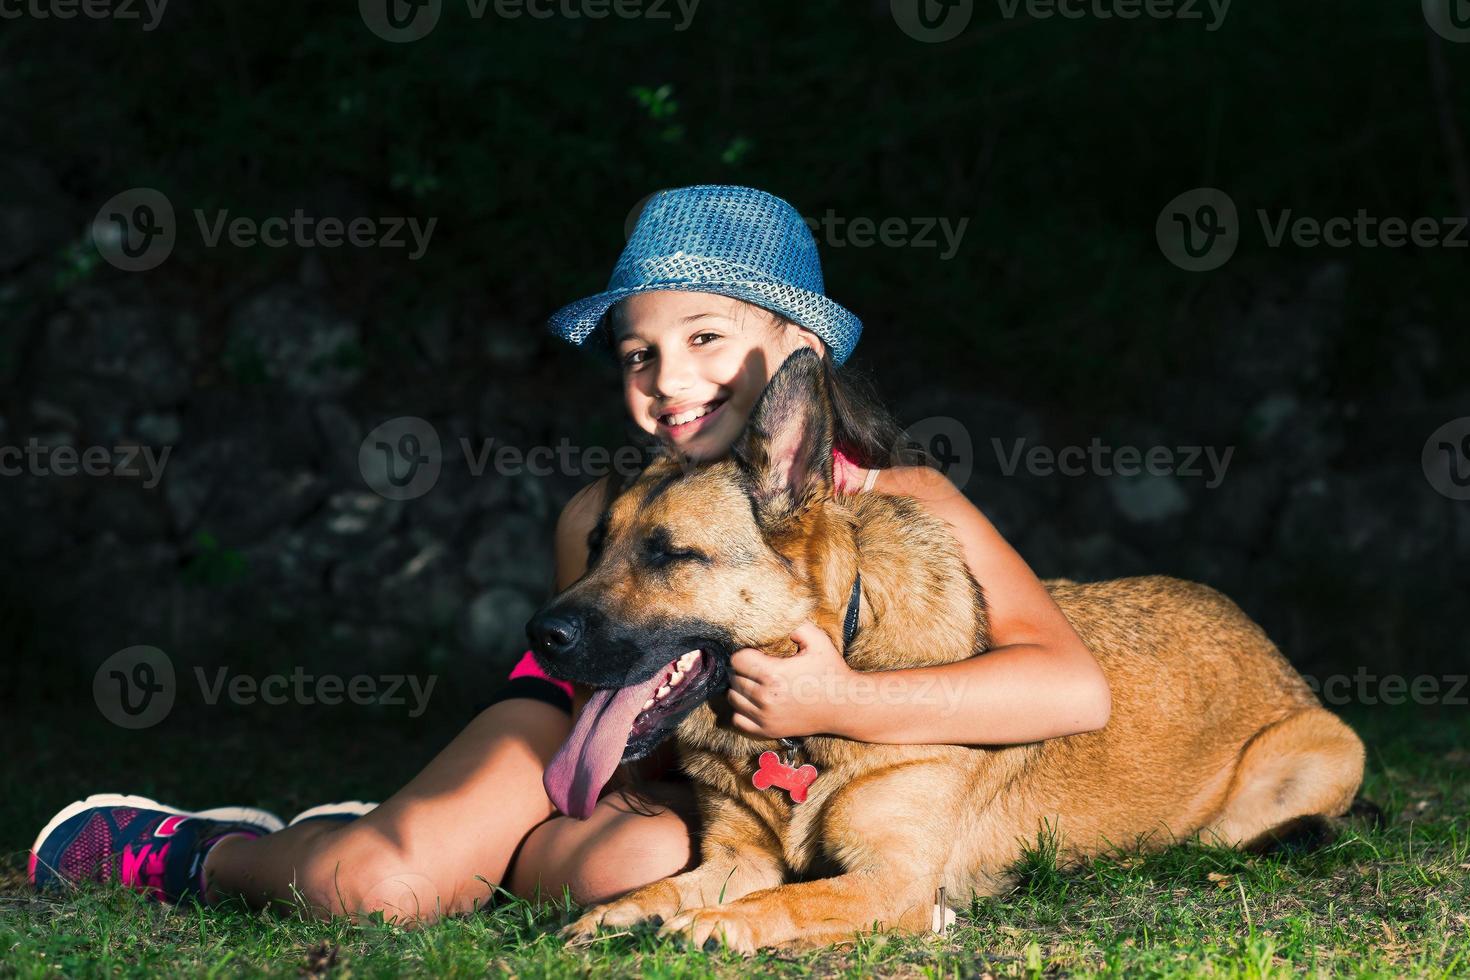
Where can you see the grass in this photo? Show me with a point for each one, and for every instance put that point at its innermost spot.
(1378, 902)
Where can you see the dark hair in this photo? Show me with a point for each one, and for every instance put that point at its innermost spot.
(864, 429)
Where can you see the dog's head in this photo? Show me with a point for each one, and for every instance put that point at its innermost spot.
(688, 565)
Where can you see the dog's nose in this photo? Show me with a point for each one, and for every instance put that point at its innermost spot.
(554, 633)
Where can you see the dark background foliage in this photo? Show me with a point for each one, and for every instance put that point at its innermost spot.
(530, 141)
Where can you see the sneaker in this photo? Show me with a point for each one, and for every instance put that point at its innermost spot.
(350, 810)
(144, 845)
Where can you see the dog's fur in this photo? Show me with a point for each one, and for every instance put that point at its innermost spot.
(1212, 732)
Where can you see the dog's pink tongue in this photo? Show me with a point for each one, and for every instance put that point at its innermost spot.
(586, 761)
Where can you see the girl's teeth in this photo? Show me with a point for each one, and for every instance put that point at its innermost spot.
(689, 416)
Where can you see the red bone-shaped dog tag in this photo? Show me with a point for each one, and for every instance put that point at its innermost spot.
(774, 772)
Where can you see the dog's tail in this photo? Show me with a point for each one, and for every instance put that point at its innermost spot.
(1315, 831)
(1366, 812)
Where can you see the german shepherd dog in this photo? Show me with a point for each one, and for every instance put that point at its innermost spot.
(1212, 732)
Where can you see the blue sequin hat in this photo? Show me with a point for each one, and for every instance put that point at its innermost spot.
(734, 241)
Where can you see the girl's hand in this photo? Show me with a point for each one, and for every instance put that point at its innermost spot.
(787, 697)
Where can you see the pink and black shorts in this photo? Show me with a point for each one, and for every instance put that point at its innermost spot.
(528, 680)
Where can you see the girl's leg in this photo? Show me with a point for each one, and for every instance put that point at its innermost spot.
(622, 846)
(420, 854)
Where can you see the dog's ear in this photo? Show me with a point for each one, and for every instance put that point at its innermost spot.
(785, 452)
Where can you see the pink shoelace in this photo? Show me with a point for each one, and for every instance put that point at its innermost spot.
(143, 867)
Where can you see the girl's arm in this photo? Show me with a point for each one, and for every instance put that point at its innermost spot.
(1038, 680)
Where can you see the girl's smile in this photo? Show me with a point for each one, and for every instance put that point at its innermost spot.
(694, 364)
(680, 423)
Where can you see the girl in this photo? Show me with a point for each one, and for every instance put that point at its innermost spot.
(716, 286)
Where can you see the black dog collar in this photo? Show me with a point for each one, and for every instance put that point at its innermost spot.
(850, 621)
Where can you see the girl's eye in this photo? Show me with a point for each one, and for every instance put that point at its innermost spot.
(634, 358)
(699, 340)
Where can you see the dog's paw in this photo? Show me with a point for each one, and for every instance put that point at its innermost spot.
(583, 930)
(712, 928)
(615, 915)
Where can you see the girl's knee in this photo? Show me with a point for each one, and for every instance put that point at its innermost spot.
(355, 870)
(627, 851)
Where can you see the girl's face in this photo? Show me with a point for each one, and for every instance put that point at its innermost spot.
(694, 364)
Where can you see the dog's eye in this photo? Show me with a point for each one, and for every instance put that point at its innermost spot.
(659, 551)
